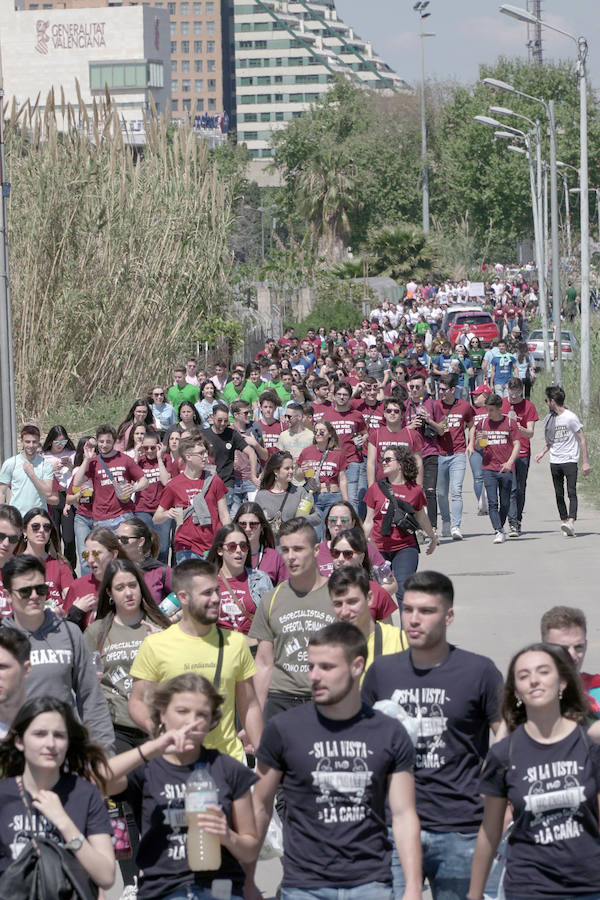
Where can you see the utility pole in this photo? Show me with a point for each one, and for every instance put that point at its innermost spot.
(420, 8)
(8, 437)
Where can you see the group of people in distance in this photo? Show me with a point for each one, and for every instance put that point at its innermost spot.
(228, 580)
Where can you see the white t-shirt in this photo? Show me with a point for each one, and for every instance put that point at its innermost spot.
(565, 448)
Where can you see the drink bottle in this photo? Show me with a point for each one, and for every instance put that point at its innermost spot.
(203, 849)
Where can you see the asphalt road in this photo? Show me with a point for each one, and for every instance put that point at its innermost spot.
(501, 590)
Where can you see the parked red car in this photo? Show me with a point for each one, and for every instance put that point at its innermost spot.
(480, 323)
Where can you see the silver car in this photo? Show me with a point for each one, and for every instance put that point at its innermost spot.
(535, 345)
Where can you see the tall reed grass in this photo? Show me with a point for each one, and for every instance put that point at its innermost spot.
(116, 258)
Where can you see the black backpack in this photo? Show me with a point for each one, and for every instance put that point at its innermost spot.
(399, 514)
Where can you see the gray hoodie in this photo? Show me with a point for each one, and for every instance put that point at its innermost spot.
(61, 667)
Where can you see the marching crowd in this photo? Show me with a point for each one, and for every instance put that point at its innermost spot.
(247, 540)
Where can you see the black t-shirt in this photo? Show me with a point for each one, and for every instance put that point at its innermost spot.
(456, 703)
(554, 845)
(82, 803)
(335, 779)
(223, 451)
(156, 792)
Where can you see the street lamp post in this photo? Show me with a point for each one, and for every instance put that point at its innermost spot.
(8, 437)
(524, 15)
(420, 8)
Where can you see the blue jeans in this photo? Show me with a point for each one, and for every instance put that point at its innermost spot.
(194, 892)
(239, 495)
(476, 463)
(404, 563)
(517, 493)
(372, 890)
(82, 525)
(182, 555)
(447, 858)
(163, 531)
(113, 524)
(356, 475)
(498, 484)
(451, 474)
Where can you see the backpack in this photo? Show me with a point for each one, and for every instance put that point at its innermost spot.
(400, 513)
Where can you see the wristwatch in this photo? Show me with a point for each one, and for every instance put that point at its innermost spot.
(76, 843)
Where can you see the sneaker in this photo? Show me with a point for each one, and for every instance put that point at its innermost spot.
(446, 529)
(567, 529)
(514, 531)
(456, 533)
(500, 537)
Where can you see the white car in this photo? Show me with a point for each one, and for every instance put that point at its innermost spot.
(535, 345)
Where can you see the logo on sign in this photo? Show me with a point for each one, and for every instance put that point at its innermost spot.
(43, 38)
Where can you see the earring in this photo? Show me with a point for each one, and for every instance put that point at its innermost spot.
(560, 693)
(111, 602)
(519, 702)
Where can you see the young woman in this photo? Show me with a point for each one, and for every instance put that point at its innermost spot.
(326, 464)
(280, 499)
(206, 403)
(59, 449)
(172, 461)
(476, 354)
(398, 547)
(47, 763)
(141, 545)
(133, 447)
(251, 519)
(139, 414)
(148, 500)
(41, 540)
(350, 548)
(548, 770)
(81, 602)
(241, 587)
(153, 778)
(478, 398)
(80, 498)
(126, 615)
(189, 417)
(525, 367)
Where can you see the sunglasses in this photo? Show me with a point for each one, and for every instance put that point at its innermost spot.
(388, 459)
(393, 410)
(340, 520)
(124, 539)
(41, 526)
(347, 554)
(251, 526)
(11, 538)
(25, 593)
(60, 443)
(232, 546)
(158, 393)
(93, 553)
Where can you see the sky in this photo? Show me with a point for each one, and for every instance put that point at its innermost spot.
(468, 32)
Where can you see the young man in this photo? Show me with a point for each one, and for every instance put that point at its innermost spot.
(455, 696)
(503, 367)
(110, 471)
(180, 390)
(425, 415)
(219, 379)
(352, 433)
(15, 650)
(61, 665)
(196, 526)
(223, 442)
(239, 389)
(392, 434)
(28, 475)
(351, 597)
(191, 374)
(276, 384)
(295, 438)
(524, 413)
(452, 461)
(369, 404)
(320, 389)
(245, 466)
(567, 627)
(195, 644)
(498, 437)
(337, 762)
(564, 440)
(11, 531)
(376, 366)
(270, 427)
(286, 618)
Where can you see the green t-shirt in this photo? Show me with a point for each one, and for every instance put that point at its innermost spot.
(476, 357)
(248, 393)
(571, 298)
(422, 327)
(176, 395)
(277, 386)
(287, 620)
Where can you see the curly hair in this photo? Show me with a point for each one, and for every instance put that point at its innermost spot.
(407, 462)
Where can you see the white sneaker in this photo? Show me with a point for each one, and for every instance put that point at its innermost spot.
(456, 533)
(500, 537)
(567, 529)
(446, 529)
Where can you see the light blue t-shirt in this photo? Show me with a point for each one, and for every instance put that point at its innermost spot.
(24, 494)
(164, 414)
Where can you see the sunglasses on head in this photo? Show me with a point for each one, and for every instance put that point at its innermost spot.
(347, 554)
(232, 546)
(41, 526)
(25, 593)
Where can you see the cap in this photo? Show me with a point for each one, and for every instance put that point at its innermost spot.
(365, 322)
(482, 389)
(375, 325)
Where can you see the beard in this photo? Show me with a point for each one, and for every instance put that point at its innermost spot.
(338, 695)
(203, 615)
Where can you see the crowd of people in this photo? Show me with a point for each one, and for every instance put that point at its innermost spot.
(227, 581)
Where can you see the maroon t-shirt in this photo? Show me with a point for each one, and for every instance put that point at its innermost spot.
(58, 578)
(235, 613)
(81, 587)
(376, 500)
(458, 415)
(347, 425)
(180, 491)
(270, 561)
(373, 415)
(173, 466)
(270, 435)
(319, 409)
(500, 440)
(328, 464)
(526, 413)
(105, 503)
(382, 438)
(148, 500)
(5, 604)
(382, 604)
(434, 411)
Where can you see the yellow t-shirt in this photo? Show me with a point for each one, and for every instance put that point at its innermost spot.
(173, 652)
(393, 640)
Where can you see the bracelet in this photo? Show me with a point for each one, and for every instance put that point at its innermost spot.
(139, 750)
